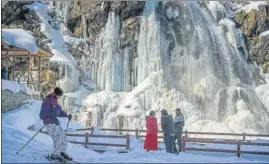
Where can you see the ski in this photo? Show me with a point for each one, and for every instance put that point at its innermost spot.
(60, 161)
(56, 160)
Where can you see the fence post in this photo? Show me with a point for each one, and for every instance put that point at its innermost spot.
(244, 136)
(184, 143)
(238, 150)
(86, 139)
(128, 141)
(136, 133)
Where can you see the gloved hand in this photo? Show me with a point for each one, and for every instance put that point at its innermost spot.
(69, 116)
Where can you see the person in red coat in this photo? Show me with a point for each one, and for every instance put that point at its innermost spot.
(151, 142)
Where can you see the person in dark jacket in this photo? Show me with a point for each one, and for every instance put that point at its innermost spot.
(4, 73)
(151, 141)
(168, 131)
(179, 124)
(49, 112)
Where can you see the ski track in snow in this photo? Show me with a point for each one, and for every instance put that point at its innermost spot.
(15, 134)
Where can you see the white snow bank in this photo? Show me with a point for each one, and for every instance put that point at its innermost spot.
(254, 5)
(14, 86)
(263, 34)
(57, 46)
(15, 135)
(20, 38)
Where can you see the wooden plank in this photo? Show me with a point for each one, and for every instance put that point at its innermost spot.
(106, 136)
(226, 151)
(210, 150)
(224, 142)
(228, 134)
(99, 144)
(14, 53)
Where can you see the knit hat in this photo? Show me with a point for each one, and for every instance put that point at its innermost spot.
(58, 91)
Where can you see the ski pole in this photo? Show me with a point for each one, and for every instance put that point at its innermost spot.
(67, 126)
(31, 138)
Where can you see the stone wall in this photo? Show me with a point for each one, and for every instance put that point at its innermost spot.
(11, 101)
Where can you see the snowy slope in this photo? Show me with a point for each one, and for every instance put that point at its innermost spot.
(20, 38)
(15, 134)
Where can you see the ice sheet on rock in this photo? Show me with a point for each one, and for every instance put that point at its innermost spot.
(58, 47)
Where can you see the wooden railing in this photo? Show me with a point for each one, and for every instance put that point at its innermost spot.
(186, 133)
(238, 150)
(91, 135)
(186, 139)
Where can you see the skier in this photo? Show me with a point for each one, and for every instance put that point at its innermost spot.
(168, 131)
(49, 112)
(179, 124)
(151, 142)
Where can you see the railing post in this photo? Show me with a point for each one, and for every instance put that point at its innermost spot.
(244, 136)
(238, 150)
(183, 143)
(128, 141)
(136, 133)
(86, 139)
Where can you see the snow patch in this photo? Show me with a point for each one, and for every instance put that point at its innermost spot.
(264, 34)
(252, 6)
(14, 86)
(20, 38)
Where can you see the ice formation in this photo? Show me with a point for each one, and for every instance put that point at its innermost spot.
(205, 73)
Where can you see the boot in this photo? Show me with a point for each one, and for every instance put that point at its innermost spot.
(56, 157)
(63, 154)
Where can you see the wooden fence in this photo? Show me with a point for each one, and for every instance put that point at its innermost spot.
(238, 150)
(91, 135)
(187, 139)
(185, 133)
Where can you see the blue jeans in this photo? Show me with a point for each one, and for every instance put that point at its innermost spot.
(169, 141)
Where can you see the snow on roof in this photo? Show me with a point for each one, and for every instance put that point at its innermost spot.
(252, 5)
(263, 34)
(20, 38)
(14, 87)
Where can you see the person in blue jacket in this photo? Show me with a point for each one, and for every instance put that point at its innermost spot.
(49, 112)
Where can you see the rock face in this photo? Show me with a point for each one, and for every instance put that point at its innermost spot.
(252, 25)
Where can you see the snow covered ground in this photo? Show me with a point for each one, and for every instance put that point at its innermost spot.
(15, 134)
(14, 86)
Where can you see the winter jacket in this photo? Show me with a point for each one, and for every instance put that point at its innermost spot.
(167, 125)
(179, 124)
(151, 124)
(151, 141)
(50, 110)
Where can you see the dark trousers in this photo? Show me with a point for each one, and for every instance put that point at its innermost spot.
(179, 142)
(169, 141)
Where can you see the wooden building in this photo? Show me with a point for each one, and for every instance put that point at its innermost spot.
(19, 61)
